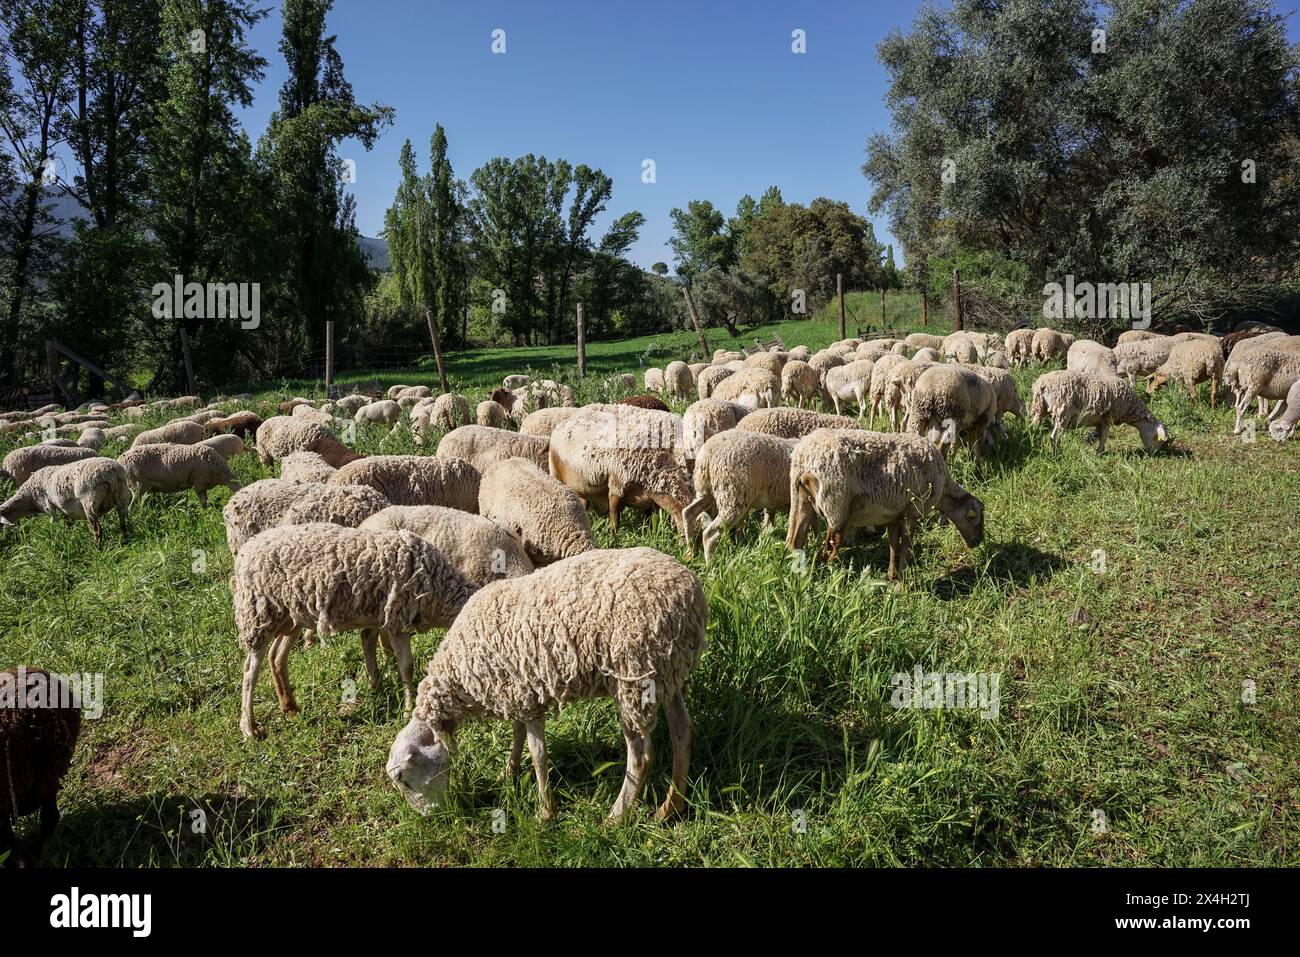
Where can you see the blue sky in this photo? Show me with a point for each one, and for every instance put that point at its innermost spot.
(711, 91)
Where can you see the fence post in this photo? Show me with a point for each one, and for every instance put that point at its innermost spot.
(189, 362)
(582, 345)
(437, 350)
(839, 292)
(329, 359)
(925, 316)
(956, 292)
(882, 308)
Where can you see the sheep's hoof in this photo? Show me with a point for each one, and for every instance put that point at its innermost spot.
(546, 813)
(251, 732)
(671, 809)
(290, 707)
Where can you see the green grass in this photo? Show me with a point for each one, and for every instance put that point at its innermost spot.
(1137, 714)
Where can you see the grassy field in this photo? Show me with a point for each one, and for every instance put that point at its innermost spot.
(1121, 736)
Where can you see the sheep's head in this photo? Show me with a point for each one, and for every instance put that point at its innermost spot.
(419, 765)
(17, 508)
(1154, 434)
(966, 512)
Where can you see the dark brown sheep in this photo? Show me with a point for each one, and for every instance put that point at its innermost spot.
(645, 402)
(242, 424)
(37, 738)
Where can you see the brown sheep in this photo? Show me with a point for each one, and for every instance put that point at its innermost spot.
(646, 402)
(242, 424)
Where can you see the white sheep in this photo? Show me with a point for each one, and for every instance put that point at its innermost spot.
(799, 382)
(1085, 355)
(179, 432)
(163, 467)
(490, 414)
(1262, 373)
(629, 624)
(305, 467)
(924, 340)
(87, 489)
(788, 423)
(228, 446)
(512, 382)
(386, 411)
(415, 479)
(1142, 357)
(478, 547)
(1077, 399)
(678, 381)
(952, 400)
(753, 388)
(851, 381)
(654, 380)
(709, 379)
(329, 579)
(283, 435)
(859, 479)
(21, 464)
(1020, 345)
(270, 502)
(481, 446)
(1049, 345)
(349, 404)
(1191, 362)
(1283, 427)
(706, 418)
(547, 518)
(543, 421)
(737, 471)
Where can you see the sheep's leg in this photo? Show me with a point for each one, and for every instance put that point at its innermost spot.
(712, 532)
(1214, 393)
(516, 752)
(369, 643)
(1243, 403)
(638, 761)
(834, 539)
(49, 821)
(1278, 408)
(280, 672)
(691, 517)
(536, 731)
(898, 547)
(202, 495)
(679, 729)
(1102, 431)
(615, 506)
(121, 518)
(1057, 431)
(252, 666)
(401, 645)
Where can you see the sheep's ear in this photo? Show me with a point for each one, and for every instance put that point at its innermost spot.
(4, 520)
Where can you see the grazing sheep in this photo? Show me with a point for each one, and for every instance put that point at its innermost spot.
(1049, 345)
(696, 368)
(477, 547)
(22, 464)
(412, 392)
(952, 400)
(706, 418)
(490, 414)
(753, 388)
(654, 380)
(88, 489)
(543, 421)
(286, 408)
(1143, 357)
(825, 360)
(799, 382)
(173, 433)
(678, 381)
(92, 438)
(415, 479)
(40, 720)
(549, 520)
(645, 402)
(1020, 345)
(386, 411)
(450, 410)
(305, 467)
(852, 381)
(283, 435)
(709, 379)
(481, 447)
(1136, 335)
(880, 376)
(1283, 428)
(1191, 362)
(864, 479)
(164, 467)
(921, 355)
(395, 390)
(242, 424)
(923, 340)
(737, 471)
(1085, 355)
(119, 432)
(802, 353)
(788, 423)
(723, 356)
(961, 351)
(771, 362)
(227, 446)
(623, 382)
(994, 360)
(329, 579)
(1262, 373)
(512, 382)
(592, 455)
(604, 624)
(897, 388)
(1004, 389)
(270, 502)
(320, 417)
(1077, 399)
(348, 405)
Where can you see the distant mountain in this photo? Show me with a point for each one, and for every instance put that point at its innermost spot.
(65, 212)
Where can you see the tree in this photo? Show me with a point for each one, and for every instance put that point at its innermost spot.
(36, 41)
(610, 281)
(699, 242)
(591, 191)
(202, 188)
(446, 218)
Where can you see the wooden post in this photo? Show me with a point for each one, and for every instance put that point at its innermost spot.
(925, 316)
(839, 292)
(329, 359)
(437, 350)
(189, 362)
(582, 345)
(57, 387)
(882, 307)
(956, 292)
(695, 320)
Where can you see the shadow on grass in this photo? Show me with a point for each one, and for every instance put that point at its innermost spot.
(163, 830)
(1017, 563)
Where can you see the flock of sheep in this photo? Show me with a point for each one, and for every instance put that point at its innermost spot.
(490, 536)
